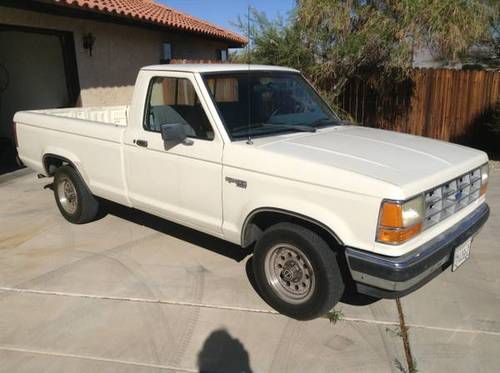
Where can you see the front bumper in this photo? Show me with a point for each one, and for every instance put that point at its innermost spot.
(391, 277)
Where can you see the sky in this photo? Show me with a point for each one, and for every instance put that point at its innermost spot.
(223, 12)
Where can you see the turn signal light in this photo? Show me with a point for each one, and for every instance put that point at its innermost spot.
(483, 189)
(400, 220)
(391, 215)
(485, 172)
(398, 235)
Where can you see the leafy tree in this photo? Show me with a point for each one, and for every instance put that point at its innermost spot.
(332, 41)
(489, 48)
(277, 42)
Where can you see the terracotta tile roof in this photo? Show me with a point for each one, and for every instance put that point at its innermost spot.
(150, 12)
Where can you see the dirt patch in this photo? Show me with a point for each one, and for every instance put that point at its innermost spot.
(16, 239)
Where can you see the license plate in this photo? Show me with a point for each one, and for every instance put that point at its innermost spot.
(461, 254)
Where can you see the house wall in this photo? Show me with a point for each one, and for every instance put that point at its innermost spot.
(108, 77)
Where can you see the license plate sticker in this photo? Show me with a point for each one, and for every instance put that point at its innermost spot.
(461, 254)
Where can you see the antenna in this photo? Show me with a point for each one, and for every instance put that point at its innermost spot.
(249, 140)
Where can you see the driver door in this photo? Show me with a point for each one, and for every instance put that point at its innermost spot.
(182, 183)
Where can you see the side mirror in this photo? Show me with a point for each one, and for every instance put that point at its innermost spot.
(173, 134)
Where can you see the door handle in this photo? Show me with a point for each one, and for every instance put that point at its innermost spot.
(142, 143)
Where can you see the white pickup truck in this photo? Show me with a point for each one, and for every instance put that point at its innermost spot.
(253, 155)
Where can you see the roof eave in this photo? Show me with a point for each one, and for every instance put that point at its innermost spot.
(48, 6)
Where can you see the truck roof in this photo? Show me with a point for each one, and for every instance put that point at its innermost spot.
(215, 67)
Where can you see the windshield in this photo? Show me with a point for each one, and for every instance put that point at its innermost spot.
(264, 103)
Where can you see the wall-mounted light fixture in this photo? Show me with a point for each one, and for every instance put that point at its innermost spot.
(88, 42)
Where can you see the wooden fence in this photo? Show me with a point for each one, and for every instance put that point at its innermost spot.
(440, 103)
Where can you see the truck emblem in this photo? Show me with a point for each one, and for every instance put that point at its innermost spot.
(458, 195)
(239, 183)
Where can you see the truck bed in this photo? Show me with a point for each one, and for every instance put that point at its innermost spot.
(117, 115)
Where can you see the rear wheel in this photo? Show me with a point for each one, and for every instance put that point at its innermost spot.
(74, 200)
(297, 272)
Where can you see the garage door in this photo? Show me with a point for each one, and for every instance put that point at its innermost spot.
(35, 73)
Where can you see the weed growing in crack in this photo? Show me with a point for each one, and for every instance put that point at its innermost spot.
(394, 332)
(399, 366)
(334, 316)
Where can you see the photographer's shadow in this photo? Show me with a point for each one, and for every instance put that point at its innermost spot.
(222, 353)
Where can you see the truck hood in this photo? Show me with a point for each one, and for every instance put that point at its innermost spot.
(412, 163)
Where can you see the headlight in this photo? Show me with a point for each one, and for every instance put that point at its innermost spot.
(400, 220)
(485, 172)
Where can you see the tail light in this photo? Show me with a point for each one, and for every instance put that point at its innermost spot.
(14, 134)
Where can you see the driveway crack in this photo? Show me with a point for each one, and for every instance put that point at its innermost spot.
(403, 332)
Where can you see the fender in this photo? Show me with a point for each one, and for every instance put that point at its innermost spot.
(311, 212)
(289, 213)
(65, 156)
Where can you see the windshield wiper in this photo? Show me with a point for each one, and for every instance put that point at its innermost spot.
(299, 128)
(267, 128)
(326, 121)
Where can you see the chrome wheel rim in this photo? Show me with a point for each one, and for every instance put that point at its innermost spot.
(290, 274)
(66, 193)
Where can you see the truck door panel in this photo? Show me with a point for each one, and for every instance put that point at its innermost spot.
(184, 182)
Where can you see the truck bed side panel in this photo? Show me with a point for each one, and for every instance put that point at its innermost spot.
(93, 147)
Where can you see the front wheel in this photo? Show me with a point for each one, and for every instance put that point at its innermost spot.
(297, 272)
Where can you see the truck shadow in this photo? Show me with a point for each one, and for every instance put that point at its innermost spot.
(192, 236)
(210, 243)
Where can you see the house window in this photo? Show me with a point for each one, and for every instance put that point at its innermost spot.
(166, 54)
(222, 54)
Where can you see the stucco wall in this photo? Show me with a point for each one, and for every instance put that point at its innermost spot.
(108, 77)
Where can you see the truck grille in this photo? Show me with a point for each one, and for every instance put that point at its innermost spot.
(448, 198)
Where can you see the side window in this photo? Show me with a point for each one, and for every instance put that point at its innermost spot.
(174, 100)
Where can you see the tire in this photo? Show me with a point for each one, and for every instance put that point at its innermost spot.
(74, 199)
(297, 272)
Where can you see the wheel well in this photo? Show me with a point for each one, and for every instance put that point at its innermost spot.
(52, 162)
(260, 220)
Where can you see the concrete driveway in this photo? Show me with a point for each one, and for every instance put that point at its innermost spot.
(133, 293)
